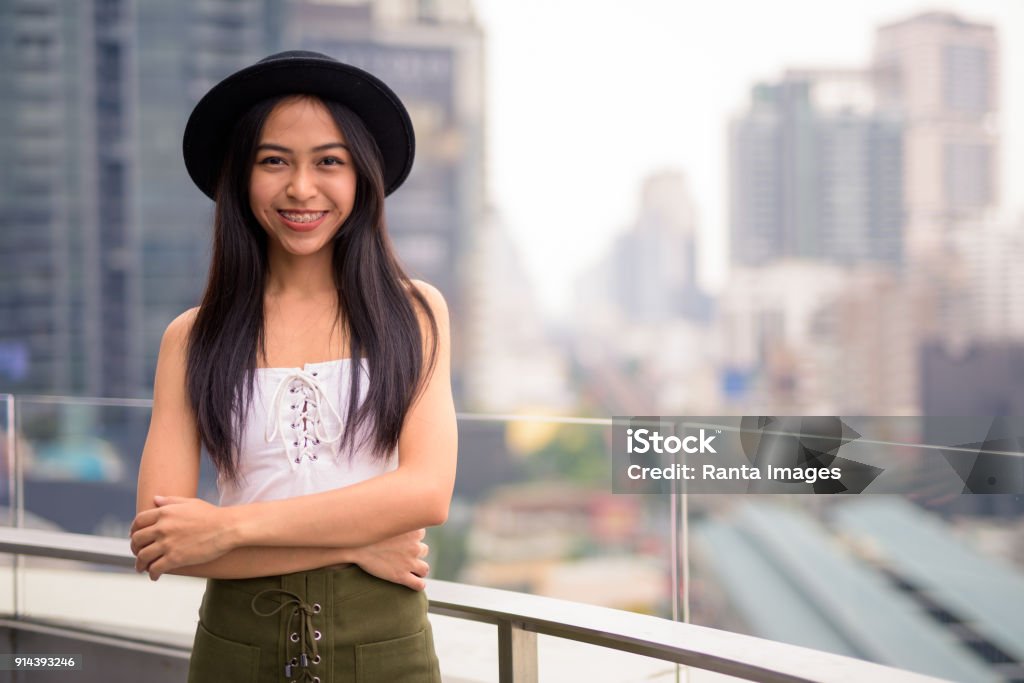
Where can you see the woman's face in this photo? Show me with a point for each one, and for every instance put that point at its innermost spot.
(303, 183)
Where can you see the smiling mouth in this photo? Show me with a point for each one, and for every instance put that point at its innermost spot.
(302, 216)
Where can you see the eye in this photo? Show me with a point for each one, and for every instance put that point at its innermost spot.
(333, 161)
(271, 161)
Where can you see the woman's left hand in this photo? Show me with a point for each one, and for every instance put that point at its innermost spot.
(178, 532)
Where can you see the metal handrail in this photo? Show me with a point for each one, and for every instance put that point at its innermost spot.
(521, 617)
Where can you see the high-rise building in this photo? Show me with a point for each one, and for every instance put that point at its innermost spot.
(940, 74)
(103, 237)
(990, 272)
(65, 281)
(653, 264)
(816, 172)
(431, 54)
(512, 363)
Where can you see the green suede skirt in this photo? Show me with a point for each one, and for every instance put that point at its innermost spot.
(320, 626)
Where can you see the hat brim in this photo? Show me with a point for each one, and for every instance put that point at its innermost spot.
(208, 129)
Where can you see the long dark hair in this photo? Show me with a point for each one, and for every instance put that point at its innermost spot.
(375, 299)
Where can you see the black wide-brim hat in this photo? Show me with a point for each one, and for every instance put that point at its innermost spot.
(291, 73)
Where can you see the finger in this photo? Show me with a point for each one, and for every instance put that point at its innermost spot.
(421, 568)
(144, 519)
(424, 550)
(147, 556)
(420, 533)
(414, 582)
(140, 539)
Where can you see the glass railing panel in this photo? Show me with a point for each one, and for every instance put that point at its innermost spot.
(8, 446)
(7, 480)
(925, 577)
(533, 511)
(80, 463)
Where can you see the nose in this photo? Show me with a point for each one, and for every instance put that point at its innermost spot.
(302, 184)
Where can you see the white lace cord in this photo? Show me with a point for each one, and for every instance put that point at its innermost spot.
(313, 397)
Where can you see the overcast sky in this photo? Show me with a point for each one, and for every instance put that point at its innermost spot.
(587, 97)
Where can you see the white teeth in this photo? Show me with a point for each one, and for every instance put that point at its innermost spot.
(302, 217)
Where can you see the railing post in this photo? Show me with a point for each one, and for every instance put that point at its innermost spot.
(517, 653)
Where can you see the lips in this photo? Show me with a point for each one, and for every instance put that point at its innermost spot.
(301, 221)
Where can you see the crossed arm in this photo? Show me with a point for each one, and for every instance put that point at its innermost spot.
(378, 523)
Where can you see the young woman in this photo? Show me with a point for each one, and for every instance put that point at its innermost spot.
(316, 375)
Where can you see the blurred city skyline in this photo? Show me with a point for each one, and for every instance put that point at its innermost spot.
(577, 125)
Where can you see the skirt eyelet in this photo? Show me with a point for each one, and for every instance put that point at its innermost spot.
(294, 637)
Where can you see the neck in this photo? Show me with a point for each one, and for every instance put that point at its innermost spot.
(304, 277)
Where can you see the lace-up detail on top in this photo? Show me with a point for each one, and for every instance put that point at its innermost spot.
(298, 403)
(290, 442)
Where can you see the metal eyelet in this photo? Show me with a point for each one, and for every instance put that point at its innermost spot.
(314, 374)
(316, 609)
(295, 661)
(314, 457)
(317, 635)
(294, 637)
(316, 679)
(298, 460)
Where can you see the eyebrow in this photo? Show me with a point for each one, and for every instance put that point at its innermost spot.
(282, 148)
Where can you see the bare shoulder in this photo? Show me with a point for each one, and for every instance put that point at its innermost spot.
(182, 325)
(176, 334)
(432, 295)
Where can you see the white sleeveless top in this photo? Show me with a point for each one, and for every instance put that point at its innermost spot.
(290, 445)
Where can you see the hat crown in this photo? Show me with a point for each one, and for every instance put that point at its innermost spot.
(297, 54)
(289, 73)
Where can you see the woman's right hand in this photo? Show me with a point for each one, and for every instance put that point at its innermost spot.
(398, 559)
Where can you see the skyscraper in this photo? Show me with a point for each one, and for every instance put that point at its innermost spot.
(816, 172)
(103, 237)
(431, 54)
(940, 73)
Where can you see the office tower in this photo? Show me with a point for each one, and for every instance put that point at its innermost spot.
(182, 50)
(815, 172)
(940, 74)
(653, 264)
(512, 363)
(430, 53)
(69, 279)
(103, 239)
